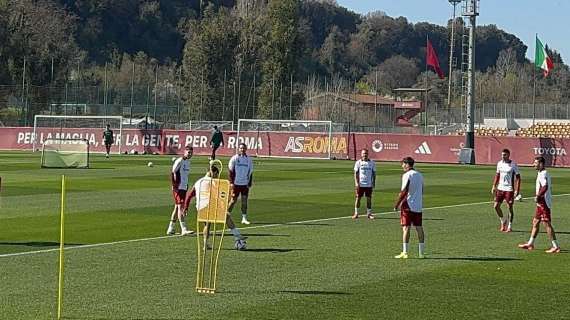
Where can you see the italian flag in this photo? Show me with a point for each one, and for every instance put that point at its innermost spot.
(541, 58)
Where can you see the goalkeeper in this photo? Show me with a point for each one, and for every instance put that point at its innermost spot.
(201, 191)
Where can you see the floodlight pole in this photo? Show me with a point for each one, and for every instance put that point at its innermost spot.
(471, 10)
(451, 47)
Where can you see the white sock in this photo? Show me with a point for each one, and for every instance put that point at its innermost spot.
(555, 243)
(509, 225)
(183, 225)
(355, 210)
(171, 225)
(405, 247)
(244, 216)
(236, 233)
(369, 211)
(421, 247)
(531, 240)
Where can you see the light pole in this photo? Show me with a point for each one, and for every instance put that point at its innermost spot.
(451, 47)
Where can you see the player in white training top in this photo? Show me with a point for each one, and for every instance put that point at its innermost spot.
(506, 187)
(543, 201)
(364, 182)
(179, 179)
(201, 191)
(241, 179)
(410, 204)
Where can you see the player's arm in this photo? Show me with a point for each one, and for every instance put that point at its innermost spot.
(173, 176)
(250, 173)
(495, 182)
(543, 188)
(374, 177)
(356, 174)
(231, 170)
(402, 195)
(517, 184)
(189, 196)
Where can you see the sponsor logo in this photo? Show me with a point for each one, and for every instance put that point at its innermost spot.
(423, 149)
(316, 145)
(378, 146)
(550, 151)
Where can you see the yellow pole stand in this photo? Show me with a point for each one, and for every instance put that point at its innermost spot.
(61, 244)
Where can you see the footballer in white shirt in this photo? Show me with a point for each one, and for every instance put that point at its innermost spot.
(543, 199)
(506, 187)
(410, 203)
(201, 191)
(364, 182)
(179, 180)
(241, 179)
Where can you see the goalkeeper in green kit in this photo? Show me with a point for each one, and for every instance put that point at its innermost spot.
(216, 141)
(108, 139)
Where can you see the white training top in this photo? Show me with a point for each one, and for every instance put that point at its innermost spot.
(365, 170)
(543, 179)
(507, 172)
(242, 166)
(202, 188)
(181, 169)
(415, 183)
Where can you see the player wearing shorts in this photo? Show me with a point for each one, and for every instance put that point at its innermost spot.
(543, 201)
(506, 187)
(201, 191)
(364, 182)
(241, 179)
(179, 179)
(410, 205)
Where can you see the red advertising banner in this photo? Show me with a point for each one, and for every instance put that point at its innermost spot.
(383, 147)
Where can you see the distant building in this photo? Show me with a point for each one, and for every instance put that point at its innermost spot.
(364, 112)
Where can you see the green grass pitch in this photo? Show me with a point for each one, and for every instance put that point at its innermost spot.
(306, 260)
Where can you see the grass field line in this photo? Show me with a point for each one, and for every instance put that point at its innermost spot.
(94, 245)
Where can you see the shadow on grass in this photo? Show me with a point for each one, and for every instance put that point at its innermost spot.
(272, 250)
(253, 235)
(484, 259)
(308, 224)
(38, 244)
(314, 292)
(541, 231)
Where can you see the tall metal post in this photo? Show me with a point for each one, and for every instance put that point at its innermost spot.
(471, 10)
(451, 47)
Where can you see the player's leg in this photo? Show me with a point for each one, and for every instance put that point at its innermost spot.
(357, 203)
(552, 236)
(533, 234)
(417, 222)
(206, 235)
(239, 239)
(405, 222)
(172, 225)
(499, 197)
(369, 213)
(510, 200)
(182, 220)
(108, 149)
(244, 198)
(233, 200)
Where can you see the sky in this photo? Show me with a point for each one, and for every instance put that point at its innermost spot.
(523, 18)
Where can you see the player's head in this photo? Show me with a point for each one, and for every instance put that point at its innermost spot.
(506, 154)
(108, 126)
(364, 154)
(214, 171)
(408, 163)
(188, 151)
(539, 163)
(216, 128)
(242, 148)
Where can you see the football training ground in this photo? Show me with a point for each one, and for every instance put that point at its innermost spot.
(306, 258)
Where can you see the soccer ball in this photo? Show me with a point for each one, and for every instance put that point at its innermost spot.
(149, 164)
(240, 245)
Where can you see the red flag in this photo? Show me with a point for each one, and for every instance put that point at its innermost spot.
(433, 61)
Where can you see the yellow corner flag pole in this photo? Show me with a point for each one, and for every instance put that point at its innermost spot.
(61, 243)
